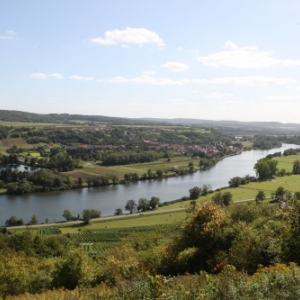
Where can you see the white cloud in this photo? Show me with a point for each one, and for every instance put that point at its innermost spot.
(146, 79)
(253, 81)
(176, 66)
(9, 35)
(5, 37)
(217, 95)
(244, 57)
(129, 36)
(179, 49)
(148, 72)
(282, 98)
(81, 78)
(45, 76)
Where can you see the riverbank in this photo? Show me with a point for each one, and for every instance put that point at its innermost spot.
(100, 177)
(107, 199)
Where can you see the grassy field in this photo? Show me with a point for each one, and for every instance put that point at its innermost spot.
(19, 142)
(90, 169)
(136, 220)
(26, 124)
(286, 162)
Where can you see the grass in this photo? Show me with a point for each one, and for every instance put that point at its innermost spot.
(136, 220)
(26, 124)
(247, 144)
(286, 162)
(19, 142)
(91, 169)
(35, 154)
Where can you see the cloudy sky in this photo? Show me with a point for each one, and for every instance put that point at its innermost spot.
(217, 60)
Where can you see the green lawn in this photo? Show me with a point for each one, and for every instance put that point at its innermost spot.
(136, 220)
(91, 169)
(286, 162)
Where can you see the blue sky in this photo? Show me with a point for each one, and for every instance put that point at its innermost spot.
(217, 60)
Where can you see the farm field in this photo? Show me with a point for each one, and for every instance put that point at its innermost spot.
(286, 162)
(90, 169)
(136, 220)
(26, 124)
(19, 142)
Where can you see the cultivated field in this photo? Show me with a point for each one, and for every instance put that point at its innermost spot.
(90, 169)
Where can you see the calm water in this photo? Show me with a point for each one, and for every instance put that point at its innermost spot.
(107, 199)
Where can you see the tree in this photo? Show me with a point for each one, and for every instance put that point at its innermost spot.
(14, 221)
(222, 199)
(143, 204)
(159, 173)
(265, 168)
(68, 270)
(296, 167)
(34, 220)
(89, 214)
(195, 193)
(67, 215)
(199, 240)
(131, 206)
(235, 181)
(118, 212)
(279, 193)
(114, 179)
(217, 198)
(79, 182)
(227, 198)
(206, 188)
(154, 201)
(260, 196)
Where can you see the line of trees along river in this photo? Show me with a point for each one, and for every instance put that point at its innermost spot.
(51, 205)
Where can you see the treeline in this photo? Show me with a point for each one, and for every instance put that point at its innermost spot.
(126, 158)
(266, 168)
(266, 142)
(120, 135)
(9, 159)
(20, 182)
(4, 131)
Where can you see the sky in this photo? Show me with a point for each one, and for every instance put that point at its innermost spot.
(214, 60)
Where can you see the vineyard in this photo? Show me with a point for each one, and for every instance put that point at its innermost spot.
(48, 231)
(99, 240)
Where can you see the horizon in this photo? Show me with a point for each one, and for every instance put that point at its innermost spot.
(162, 60)
(149, 118)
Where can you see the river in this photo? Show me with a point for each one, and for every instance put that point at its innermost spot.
(106, 199)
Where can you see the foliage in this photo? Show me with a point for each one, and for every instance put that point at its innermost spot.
(89, 214)
(296, 167)
(198, 241)
(20, 182)
(131, 206)
(222, 199)
(265, 168)
(195, 193)
(260, 196)
(14, 221)
(68, 215)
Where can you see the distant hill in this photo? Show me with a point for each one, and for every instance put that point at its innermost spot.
(229, 127)
(19, 116)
